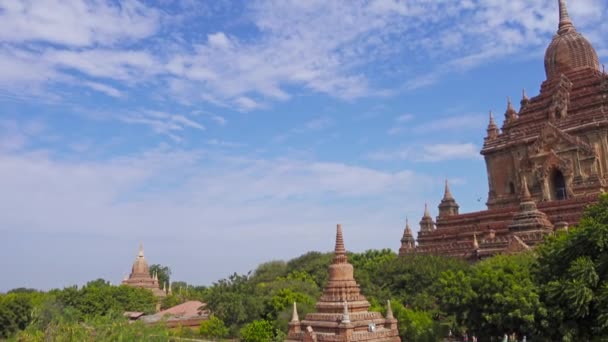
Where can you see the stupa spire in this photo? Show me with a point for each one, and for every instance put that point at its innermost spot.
(565, 23)
(426, 210)
(446, 193)
(141, 250)
(524, 96)
(475, 243)
(294, 315)
(492, 128)
(408, 229)
(340, 250)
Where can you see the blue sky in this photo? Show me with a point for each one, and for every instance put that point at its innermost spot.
(222, 134)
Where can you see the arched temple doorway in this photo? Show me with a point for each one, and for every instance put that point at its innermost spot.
(558, 185)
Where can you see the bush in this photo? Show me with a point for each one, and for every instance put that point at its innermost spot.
(257, 331)
(213, 328)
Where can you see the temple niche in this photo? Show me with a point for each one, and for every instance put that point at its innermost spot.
(545, 164)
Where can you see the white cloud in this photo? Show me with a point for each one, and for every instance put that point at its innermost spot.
(429, 153)
(184, 199)
(132, 42)
(77, 22)
(110, 91)
(454, 123)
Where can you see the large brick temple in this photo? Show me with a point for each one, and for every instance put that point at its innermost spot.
(547, 162)
(342, 311)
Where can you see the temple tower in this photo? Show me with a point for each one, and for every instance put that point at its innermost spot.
(342, 311)
(408, 243)
(140, 275)
(426, 223)
(448, 205)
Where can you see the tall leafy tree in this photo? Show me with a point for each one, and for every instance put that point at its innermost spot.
(573, 273)
(163, 272)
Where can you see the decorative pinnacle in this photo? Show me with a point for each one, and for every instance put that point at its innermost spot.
(510, 105)
(525, 192)
(340, 250)
(492, 122)
(389, 310)
(524, 96)
(165, 287)
(345, 315)
(426, 210)
(447, 195)
(294, 315)
(565, 24)
(408, 230)
(475, 243)
(141, 250)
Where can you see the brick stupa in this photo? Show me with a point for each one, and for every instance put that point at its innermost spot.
(342, 311)
(140, 276)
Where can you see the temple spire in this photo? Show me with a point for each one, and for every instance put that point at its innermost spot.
(524, 96)
(492, 128)
(408, 230)
(565, 23)
(340, 250)
(509, 103)
(475, 243)
(426, 210)
(141, 250)
(446, 193)
(294, 315)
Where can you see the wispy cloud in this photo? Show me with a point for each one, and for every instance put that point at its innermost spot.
(76, 23)
(315, 125)
(428, 153)
(454, 123)
(46, 42)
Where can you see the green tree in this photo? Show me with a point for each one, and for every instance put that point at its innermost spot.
(257, 331)
(573, 275)
(163, 272)
(416, 326)
(499, 296)
(15, 314)
(234, 301)
(213, 328)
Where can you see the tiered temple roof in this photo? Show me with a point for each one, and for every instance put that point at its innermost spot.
(342, 311)
(556, 144)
